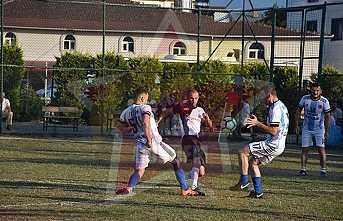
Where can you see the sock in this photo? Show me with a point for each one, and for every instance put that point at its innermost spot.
(180, 176)
(244, 179)
(194, 176)
(323, 170)
(257, 180)
(134, 178)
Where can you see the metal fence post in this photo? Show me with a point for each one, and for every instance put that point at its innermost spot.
(272, 45)
(321, 44)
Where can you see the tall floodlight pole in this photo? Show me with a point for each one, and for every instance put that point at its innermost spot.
(103, 64)
(198, 40)
(243, 36)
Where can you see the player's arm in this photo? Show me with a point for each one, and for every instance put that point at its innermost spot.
(297, 119)
(147, 129)
(327, 123)
(207, 121)
(253, 121)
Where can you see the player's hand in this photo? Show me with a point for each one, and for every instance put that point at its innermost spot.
(326, 135)
(297, 130)
(251, 121)
(148, 144)
(205, 116)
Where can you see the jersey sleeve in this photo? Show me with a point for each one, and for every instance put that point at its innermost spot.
(147, 110)
(201, 113)
(302, 103)
(326, 106)
(275, 117)
(124, 115)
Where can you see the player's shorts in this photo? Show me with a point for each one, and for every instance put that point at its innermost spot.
(263, 152)
(162, 150)
(312, 138)
(192, 148)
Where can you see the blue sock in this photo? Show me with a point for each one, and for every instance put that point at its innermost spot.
(180, 176)
(134, 178)
(244, 179)
(257, 180)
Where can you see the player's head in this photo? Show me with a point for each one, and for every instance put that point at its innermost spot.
(271, 95)
(193, 97)
(316, 90)
(142, 96)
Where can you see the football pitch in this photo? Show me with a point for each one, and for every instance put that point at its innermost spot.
(57, 179)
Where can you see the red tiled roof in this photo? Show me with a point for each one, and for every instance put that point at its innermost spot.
(72, 16)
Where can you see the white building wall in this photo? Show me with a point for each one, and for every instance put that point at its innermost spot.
(333, 49)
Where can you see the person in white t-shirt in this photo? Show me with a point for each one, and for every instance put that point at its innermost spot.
(7, 111)
(192, 117)
(263, 152)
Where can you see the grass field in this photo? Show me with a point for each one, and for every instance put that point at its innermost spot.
(45, 179)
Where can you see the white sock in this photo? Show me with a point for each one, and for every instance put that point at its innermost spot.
(194, 176)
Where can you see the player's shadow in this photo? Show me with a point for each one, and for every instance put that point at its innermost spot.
(46, 185)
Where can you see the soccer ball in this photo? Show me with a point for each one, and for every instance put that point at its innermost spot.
(230, 124)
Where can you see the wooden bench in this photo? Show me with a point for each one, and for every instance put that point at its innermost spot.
(67, 117)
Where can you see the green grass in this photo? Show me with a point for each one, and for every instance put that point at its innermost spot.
(73, 180)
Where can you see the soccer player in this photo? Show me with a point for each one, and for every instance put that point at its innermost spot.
(263, 152)
(315, 128)
(192, 117)
(139, 116)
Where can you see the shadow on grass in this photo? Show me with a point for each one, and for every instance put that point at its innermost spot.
(65, 187)
(198, 209)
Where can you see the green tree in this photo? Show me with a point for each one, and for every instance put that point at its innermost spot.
(70, 76)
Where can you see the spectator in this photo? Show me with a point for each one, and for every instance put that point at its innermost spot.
(6, 111)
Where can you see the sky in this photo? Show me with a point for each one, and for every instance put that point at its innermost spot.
(237, 4)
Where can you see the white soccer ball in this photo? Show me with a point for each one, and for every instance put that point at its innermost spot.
(230, 124)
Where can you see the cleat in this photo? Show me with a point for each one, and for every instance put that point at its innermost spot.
(189, 192)
(323, 173)
(255, 195)
(303, 173)
(123, 191)
(240, 187)
(200, 192)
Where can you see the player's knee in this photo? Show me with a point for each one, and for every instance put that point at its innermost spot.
(176, 163)
(202, 171)
(140, 172)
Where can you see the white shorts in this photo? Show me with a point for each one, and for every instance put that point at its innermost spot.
(263, 152)
(162, 150)
(312, 138)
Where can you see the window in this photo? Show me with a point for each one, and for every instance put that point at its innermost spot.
(311, 26)
(10, 38)
(337, 28)
(256, 51)
(179, 48)
(311, 1)
(128, 45)
(69, 43)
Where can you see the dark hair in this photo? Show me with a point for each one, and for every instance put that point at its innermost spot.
(315, 84)
(140, 91)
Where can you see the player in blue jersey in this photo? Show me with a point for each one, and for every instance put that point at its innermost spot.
(315, 128)
(140, 117)
(265, 151)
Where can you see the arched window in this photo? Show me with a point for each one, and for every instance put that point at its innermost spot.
(128, 45)
(10, 38)
(256, 51)
(69, 43)
(179, 48)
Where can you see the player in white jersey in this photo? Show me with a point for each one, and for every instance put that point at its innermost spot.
(315, 126)
(265, 151)
(192, 118)
(140, 117)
